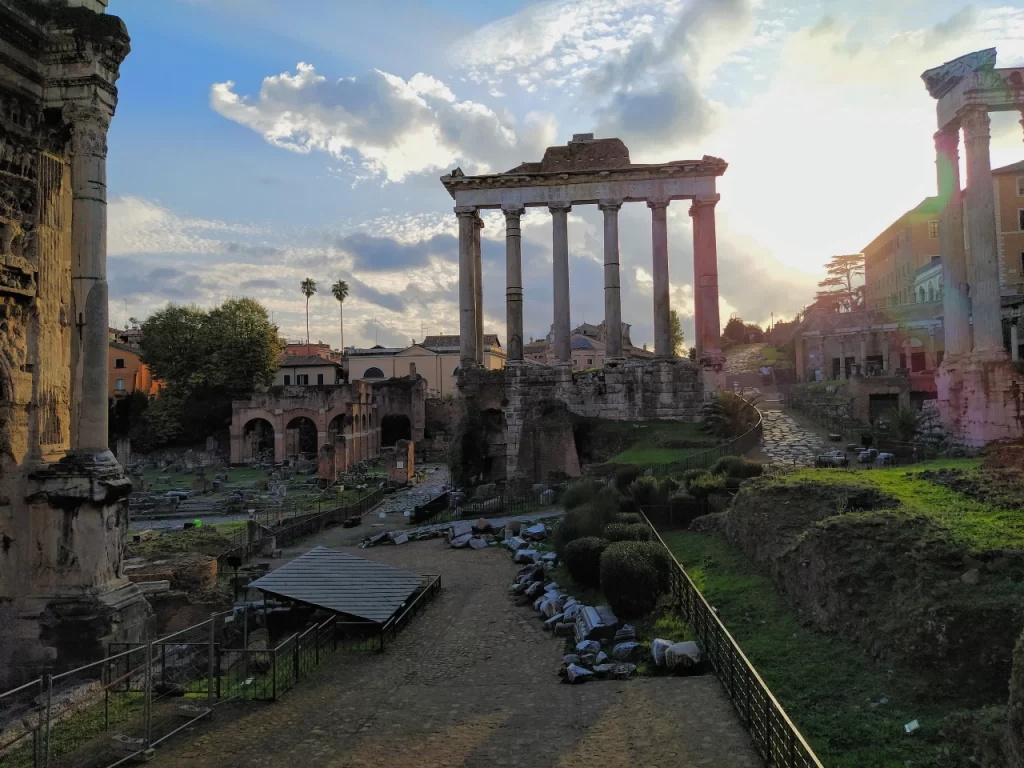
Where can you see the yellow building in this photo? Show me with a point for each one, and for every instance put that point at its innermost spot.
(1009, 199)
(892, 260)
(436, 359)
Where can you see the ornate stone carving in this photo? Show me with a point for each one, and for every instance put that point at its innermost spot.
(941, 80)
(609, 205)
(88, 130)
(559, 206)
(975, 122)
(656, 204)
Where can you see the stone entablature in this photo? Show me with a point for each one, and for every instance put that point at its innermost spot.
(588, 172)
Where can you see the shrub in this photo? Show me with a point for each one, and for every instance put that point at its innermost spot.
(583, 560)
(627, 532)
(737, 466)
(587, 520)
(689, 474)
(733, 483)
(645, 491)
(605, 507)
(704, 485)
(633, 575)
(624, 476)
(580, 494)
(683, 508)
(628, 518)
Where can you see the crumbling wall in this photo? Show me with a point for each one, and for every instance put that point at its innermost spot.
(981, 401)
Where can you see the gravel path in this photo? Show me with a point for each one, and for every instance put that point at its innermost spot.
(471, 682)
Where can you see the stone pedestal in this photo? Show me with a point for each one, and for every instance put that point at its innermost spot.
(67, 597)
(401, 464)
(981, 399)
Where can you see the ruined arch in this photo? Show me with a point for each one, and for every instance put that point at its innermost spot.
(257, 440)
(395, 427)
(300, 437)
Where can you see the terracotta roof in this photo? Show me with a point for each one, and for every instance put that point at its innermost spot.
(435, 343)
(296, 361)
(1017, 167)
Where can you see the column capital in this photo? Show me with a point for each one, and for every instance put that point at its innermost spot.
(976, 123)
(947, 141)
(465, 210)
(512, 210)
(658, 203)
(89, 126)
(559, 207)
(609, 204)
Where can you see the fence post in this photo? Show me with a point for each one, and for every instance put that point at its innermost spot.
(210, 658)
(147, 702)
(48, 680)
(295, 657)
(273, 679)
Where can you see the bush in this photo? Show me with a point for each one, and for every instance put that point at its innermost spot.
(737, 466)
(645, 492)
(624, 476)
(587, 520)
(689, 474)
(580, 494)
(627, 532)
(704, 485)
(628, 518)
(684, 508)
(583, 560)
(633, 575)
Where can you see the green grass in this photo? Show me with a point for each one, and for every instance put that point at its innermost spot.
(774, 357)
(973, 524)
(826, 684)
(645, 440)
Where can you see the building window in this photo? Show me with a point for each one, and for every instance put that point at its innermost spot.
(1020, 186)
(590, 361)
(119, 385)
(302, 379)
(1020, 219)
(933, 230)
(119, 362)
(287, 379)
(373, 373)
(320, 379)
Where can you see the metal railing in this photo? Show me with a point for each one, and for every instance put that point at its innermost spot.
(774, 735)
(119, 708)
(737, 446)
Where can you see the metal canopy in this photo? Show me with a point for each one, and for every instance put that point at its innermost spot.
(342, 583)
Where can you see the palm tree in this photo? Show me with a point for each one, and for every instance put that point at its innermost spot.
(308, 288)
(340, 291)
(730, 415)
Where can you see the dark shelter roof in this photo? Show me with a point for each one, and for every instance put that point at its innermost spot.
(342, 583)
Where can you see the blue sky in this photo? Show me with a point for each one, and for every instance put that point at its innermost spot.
(257, 142)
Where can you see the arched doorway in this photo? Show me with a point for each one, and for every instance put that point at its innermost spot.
(395, 427)
(300, 438)
(258, 441)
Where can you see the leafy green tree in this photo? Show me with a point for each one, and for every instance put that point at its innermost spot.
(340, 291)
(241, 348)
(172, 344)
(676, 329)
(838, 292)
(308, 288)
(735, 330)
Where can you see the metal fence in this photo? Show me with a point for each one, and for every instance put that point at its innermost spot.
(774, 735)
(119, 708)
(738, 446)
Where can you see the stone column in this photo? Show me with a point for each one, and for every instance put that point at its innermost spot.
(1014, 343)
(908, 352)
(560, 262)
(885, 353)
(863, 361)
(478, 291)
(90, 341)
(706, 255)
(929, 362)
(981, 229)
(955, 301)
(612, 293)
(698, 311)
(842, 358)
(513, 282)
(659, 271)
(467, 286)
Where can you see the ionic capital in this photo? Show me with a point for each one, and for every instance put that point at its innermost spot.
(559, 207)
(465, 210)
(609, 205)
(976, 123)
(512, 211)
(658, 203)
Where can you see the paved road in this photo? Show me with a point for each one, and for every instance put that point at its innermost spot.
(470, 683)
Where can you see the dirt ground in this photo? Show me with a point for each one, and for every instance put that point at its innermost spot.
(471, 682)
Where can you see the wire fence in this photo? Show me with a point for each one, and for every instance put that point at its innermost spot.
(117, 709)
(774, 735)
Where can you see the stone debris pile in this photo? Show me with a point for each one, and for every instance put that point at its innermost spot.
(466, 534)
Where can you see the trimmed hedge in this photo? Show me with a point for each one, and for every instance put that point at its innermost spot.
(738, 467)
(633, 575)
(624, 476)
(587, 520)
(583, 560)
(705, 485)
(645, 491)
(687, 477)
(627, 532)
(628, 518)
(580, 494)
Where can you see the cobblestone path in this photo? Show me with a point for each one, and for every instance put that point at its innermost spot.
(471, 682)
(743, 360)
(788, 442)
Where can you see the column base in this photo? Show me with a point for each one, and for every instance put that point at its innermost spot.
(980, 398)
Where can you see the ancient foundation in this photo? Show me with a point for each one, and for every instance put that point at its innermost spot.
(981, 399)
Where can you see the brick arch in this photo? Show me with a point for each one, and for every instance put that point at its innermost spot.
(237, 431)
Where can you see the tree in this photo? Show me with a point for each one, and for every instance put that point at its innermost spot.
(730, 415)
(308, 288)
(172, 344)
(676, 331)
(735, 331)
(838, 293)
(340, 291)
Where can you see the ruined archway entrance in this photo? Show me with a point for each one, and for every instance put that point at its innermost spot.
(300, 438)
(258, 441)
(395, 427)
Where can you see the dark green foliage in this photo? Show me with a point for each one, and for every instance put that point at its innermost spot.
(583, 560)
(580, 494)
(706, 484)
(624, 476)
(627, 532)
(737, 466)
(633, 576)
(645, 491)
(577, 523)
(684, 508)
(689, 474)
(733, 483)
(730, 415)
(628, 518)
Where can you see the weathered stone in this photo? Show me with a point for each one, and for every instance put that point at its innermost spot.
(461, 541)
(477, 543)
(972, 576)
(577, 674)
(625, 633)
(681, 657)
(526, 556)
(588, 646)
(628, 651)
(658, 649)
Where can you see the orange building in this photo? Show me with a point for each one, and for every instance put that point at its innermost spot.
(127, 373)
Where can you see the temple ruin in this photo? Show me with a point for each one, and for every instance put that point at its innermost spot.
(63, 496)
(980, 393)
(589, 171)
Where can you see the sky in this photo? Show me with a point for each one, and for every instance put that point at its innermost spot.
(260, 142)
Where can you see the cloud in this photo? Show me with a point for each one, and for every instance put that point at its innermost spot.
(392, 127)
(386, 254)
